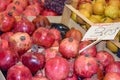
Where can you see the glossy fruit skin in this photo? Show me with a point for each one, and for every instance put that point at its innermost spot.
(92, 51)
(3, 43)
(112, 76)
(85, 66)
(35, 8)
(59, 67)
(43, 37)
(41, 21)
(57, 34)
(75, 34)
(6, 35)
(8, 58)
(34, 61)
(69, 47)
(20, 42)
(113, 67)
(22, 3)
(14, 9)
(50, 53)
(24, 25)
(19, 72)
(105, 58)
(61, 27)
(48, 13)
(7, 22)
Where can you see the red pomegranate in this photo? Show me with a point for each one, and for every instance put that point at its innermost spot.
(3, 6)
(22, 3)
(43, 37)
(105, 58)
(8, 58)
(7, 21)
(21, 42)
(24, 25)
(41, 21)
(50, 53)
(59, 67)
(113, 67)
(28, 13)
(3, 43)
(19, 72)
(74, 33)
(14, 9)
(92, 51)
(112, 76)
(47, 12)
(34, 61)
(35, 8)
(69, 47)
(6, 35)
(56, 33)
(85, 66)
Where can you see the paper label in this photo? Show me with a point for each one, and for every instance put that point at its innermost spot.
(105, 31)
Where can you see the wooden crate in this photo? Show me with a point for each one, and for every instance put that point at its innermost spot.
(67, 14)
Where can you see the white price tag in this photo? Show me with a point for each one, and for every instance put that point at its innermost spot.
(105, 31)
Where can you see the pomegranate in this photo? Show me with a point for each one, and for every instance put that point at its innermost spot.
(50, 53)
(69, 47)
(19, 72)
(113, 67)
(112, 76)
(47, 12)
(41, 21)
(7, 35)
(43, 37)
(3, 43)
(85, 66)
(35, 8)
(8, 58)
(3, 6)
(59, 66)
(14, 9)
(24, 25)
(34, 61)
(105, 58)
(74, 33)
(73, 77)
(42, 78)
(7, 22)
(56, 33)
(22, 3)
(29, 13)
(21, 42)
(92, 51)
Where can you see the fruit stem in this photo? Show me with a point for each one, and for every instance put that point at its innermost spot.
(22, 38)
(70, 39)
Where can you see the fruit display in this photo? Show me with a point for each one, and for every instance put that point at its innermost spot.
(35, 48)
(99, 11)
(32, 7)
(42, 50)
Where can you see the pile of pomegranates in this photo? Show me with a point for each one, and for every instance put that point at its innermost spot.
(40, 50)
(25, 7)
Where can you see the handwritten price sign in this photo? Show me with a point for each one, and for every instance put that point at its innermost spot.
(105, 31)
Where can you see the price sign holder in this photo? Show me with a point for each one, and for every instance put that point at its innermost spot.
(99, 32)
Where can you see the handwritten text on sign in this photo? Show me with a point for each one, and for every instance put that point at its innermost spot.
(106, 31)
